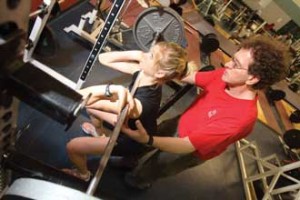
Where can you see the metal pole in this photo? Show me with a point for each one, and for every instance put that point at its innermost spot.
(111, 143)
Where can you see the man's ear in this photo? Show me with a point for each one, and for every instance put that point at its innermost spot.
(252, 80)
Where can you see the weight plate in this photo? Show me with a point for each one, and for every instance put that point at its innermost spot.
(29, 188)
(157, 19)
(292, 138)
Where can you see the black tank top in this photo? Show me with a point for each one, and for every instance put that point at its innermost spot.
(150, 97)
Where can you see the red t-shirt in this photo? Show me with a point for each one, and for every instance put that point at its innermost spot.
(215, 119)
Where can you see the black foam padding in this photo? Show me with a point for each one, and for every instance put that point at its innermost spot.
(44, 92)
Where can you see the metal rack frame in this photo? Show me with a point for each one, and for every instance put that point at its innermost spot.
(268, 171)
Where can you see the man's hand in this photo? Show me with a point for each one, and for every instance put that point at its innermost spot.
(168, 144)
(140, 135)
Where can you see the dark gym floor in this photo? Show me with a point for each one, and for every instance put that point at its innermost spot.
(45, 139)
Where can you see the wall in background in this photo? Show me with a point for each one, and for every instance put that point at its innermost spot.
(270, 11)
(292, 8)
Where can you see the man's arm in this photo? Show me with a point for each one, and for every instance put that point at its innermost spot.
(168, 144)
(173, 144)
(190, 78)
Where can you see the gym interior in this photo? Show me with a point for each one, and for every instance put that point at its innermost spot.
(49, 49)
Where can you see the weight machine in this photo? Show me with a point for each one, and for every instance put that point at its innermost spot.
(51, 94)
(46, 93)
(93, 22)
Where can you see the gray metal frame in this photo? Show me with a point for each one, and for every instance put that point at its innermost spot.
(267, 167)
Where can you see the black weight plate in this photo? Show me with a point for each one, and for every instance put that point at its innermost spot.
(292, 138)
(158, 19)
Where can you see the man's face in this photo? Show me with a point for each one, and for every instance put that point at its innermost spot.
(236, 73)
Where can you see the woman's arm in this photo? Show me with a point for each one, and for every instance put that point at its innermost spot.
(168, 144)
(114, 107)
(123, 61)
(120, 95)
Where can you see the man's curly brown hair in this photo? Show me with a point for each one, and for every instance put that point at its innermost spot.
(270, 60)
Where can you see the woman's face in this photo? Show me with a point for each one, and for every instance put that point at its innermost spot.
(149, 61)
